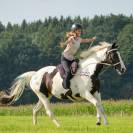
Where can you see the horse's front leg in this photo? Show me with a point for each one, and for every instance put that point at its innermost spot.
(97, 95)
(89, 97)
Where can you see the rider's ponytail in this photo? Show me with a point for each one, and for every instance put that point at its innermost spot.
(68, 35)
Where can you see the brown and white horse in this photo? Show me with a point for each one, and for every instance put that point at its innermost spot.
(85, 83)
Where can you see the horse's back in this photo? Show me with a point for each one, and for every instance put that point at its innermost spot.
(46, 69)
(37, 77)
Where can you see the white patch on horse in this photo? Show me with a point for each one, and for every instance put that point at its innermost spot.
(57, 87)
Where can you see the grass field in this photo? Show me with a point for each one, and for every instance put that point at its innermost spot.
(74, 118)
(73, 124)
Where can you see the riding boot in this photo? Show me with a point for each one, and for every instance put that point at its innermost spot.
(65, 85)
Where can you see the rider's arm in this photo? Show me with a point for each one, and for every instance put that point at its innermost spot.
(86, 40)
(69, 40)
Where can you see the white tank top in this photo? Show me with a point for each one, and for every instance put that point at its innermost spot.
(72, 48)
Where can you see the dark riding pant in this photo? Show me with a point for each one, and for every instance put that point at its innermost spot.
(66, 65)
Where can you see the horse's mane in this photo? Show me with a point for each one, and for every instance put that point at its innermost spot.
(94, 49)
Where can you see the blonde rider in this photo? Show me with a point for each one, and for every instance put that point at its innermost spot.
(72, 45)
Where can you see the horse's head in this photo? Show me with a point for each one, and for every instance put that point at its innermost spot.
(104, 53)
(113, 58)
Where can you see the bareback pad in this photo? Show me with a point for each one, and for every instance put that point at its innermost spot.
(73, 67)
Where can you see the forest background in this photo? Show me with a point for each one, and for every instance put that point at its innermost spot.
(31, 46)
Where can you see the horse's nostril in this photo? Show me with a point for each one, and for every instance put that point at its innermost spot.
(123, 70)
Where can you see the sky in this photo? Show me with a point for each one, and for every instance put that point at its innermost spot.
(15, 11)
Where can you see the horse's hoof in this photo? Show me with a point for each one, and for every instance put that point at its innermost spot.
(98, 123)
(106, 123)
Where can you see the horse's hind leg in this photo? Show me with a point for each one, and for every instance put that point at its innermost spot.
(37, 107)
(44, 100)
(46, 104)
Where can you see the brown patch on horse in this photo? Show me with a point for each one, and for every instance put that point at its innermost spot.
(95, 79)
(47, 81)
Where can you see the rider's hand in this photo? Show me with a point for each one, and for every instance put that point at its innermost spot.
(94, 38)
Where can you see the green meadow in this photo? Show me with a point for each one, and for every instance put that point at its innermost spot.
(73, 117)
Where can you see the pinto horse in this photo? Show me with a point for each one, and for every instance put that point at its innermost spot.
(85, 83)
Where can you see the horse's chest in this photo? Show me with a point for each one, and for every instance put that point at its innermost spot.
(82, 82)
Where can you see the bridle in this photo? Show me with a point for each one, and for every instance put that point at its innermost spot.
(108, 54)
(105, 63)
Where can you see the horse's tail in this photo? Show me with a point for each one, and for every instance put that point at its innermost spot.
(17, 88)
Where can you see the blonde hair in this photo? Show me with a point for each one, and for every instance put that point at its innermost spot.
(71, 34)
(67, 36)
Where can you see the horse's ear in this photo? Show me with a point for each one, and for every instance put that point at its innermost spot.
(114, 45)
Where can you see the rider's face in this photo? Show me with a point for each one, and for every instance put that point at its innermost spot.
(78, 32)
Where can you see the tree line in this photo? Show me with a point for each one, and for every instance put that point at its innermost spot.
(31, 46)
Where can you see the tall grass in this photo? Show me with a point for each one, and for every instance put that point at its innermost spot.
(123, 107)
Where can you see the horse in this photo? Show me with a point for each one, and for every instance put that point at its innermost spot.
(85, 83)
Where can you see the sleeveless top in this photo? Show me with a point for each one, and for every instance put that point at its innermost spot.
(72, 48)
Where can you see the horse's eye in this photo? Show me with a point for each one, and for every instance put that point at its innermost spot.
(110, 56)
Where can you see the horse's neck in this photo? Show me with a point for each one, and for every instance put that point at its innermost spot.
(92, 63)
(89, 65)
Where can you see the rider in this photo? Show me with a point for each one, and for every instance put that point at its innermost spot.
(72, 45)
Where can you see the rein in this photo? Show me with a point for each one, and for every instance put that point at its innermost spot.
(91, 44)
(82, 73)
(107, 64)
(112, 50)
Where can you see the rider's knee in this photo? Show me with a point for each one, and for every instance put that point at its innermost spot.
(68, 71)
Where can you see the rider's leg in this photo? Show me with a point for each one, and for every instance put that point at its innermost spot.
(66, 81)
(66, 65)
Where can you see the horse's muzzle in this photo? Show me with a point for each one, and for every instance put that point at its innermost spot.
(123, 70)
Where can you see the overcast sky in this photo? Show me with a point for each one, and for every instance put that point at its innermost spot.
(15, 11)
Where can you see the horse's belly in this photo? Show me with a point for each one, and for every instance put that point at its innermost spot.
(79, 85)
